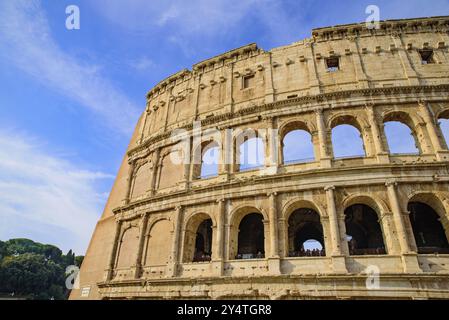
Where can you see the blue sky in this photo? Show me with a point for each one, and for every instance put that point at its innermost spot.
(69, 99)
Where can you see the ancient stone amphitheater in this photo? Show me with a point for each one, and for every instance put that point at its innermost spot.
(379, 221)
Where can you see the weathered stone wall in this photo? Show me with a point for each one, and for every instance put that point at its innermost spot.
(146, 229)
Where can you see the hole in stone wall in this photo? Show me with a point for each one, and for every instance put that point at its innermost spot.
(248, 81)
(426, 56)
(333, 64)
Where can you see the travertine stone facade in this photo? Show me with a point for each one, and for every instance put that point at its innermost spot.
(144, 244)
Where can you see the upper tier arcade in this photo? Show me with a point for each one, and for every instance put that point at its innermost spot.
(230, 83)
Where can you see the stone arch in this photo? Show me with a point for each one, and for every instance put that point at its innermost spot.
(198, 159)
(170, 173)
(304, 224)
(411, 121)
(128, 246)
(340, 119)
(380, 206)
(241, 137)
(158, 241)
(435, 203)
(369, 205)
(300, 203)
(236, 218)
(141, 177)
(190, 231)
(300, 127)
(443, 127)
(295, 124)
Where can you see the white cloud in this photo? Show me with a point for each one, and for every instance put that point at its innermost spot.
(45, 197)
(26, 41)
(205, 16)
(141, 64)
(198, 18)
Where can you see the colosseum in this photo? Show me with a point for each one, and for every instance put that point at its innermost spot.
(378, 221)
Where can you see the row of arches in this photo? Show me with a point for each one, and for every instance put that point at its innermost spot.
(298, 142)
(306, 236)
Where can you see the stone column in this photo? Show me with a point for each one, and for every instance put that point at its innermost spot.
(217, 253)
(156, 155)
(382, 155)
(129, 182)
(360, 73)
(143, 229)
(397, 217)
(143, 124)
(409, 72)
(314, 82)
(338, 260)
(409, 258)
(269, 88)
(325, 159)
(273, 211)
(229, 101)
(431, 128)
(225, 154)
(271, 152)
(273, 259)
(174, 252)
(113, 255)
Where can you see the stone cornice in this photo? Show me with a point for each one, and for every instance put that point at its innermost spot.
(255, 109)
(319, 34)
(200, 65)
(395, 26)
(132, 209)
(227, 55)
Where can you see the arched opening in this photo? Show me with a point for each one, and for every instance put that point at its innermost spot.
(251, 237)
(305, 234)
(427, 229)
(347, 142)
(206, 159)
(363, 230)
(251, 154)
(127, 252)
(400, 138)
(443, 122)
(159, 239)
(203, 242)
(297, 146)
(198, 238)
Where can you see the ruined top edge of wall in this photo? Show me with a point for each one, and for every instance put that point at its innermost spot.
(318, 34)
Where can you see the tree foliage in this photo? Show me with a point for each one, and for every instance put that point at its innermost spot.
(34, 270)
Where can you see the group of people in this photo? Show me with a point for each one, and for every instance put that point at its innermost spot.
(308, 253)
(201, 256)
(258, 255)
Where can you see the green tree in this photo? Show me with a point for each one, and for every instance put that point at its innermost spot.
(3, 250)
(21, 246)
(79, 260)
(32, 275)
(34, 270)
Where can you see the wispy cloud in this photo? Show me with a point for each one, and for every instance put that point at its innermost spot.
(26, 41)
(141, 64)
(202, 16)
(44, 196)
(202, 21)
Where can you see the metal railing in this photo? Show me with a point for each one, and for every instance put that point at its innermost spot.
(299, 161)
(367, 251)
(247, 256)
(308, 253)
